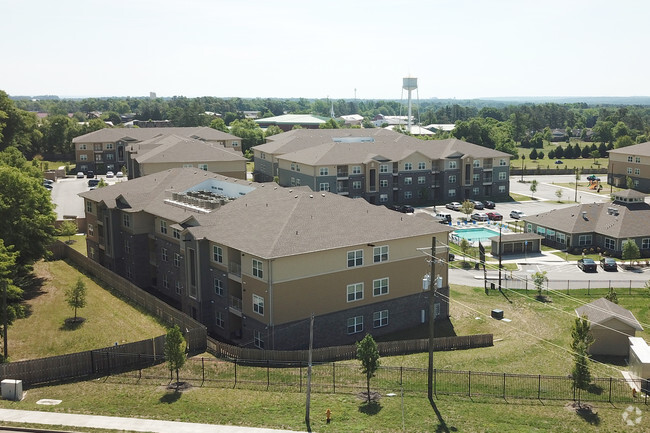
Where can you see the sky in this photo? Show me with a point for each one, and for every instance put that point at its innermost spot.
(462, 49)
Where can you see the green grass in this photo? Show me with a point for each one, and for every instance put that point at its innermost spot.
(76, 242)
(44, 333)
(520, 197)
(583, 163)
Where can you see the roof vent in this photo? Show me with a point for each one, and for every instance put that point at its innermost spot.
(311, 195)
(584, 216)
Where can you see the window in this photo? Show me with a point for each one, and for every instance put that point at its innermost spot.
(452, 178)
(89, 206)
(203, 167)
(503, 162)
(451, 192)
(408, 181)
(293, 181)
(476, 177)
(629, 158)
(262, 154)
(584, 240)
(188, 165)
(453, 165)
(219, 319)
(422, 180)
(380, 254)
(355, 324)
(163, 227)
(98, 157)
(356, 169)
(383, 183)
(422, 165)
(529, 228)
(610, 244)
(380, 287)
(257, 339)
(502, 189)
(355, 258)
(541, 231)
(258, 269)
(356, 184)
(408, 166)
(476, 163)
(383, 198)
(129, 272)
(637, 159)
(218, 287)
(561, 238)
(379, 318)
(178, 288)
(258, 304)
(636, 183)
(127, 246)
(165, 281)
(163, 254)
(297, 181)
(502, 175)
(645, 243)
(217, 254)
(324, 186)
(637, 171)
(109, 146)
(476, 191)
(629, 170)
(408, 195)
(176, 233)
(293, 166)
(83, 157)
(383, 168)
(91, 230)
(110, 157)
(235, 143)
(297, 167)
(82, 147)
(355, 292)
(177, 260)
(324, 171)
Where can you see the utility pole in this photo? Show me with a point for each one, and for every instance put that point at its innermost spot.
(311, 346)
(432, 286)
(500, 253)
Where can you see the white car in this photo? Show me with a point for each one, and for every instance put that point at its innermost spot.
(480, 216)
(80, 175)
(119, 174)
(454, 205)
(109, 174)
(517, 214)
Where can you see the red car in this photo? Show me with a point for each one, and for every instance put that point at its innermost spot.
(495, 216)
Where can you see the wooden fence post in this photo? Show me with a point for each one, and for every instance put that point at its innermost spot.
(334, 377)
(469, 383)
(235, 385)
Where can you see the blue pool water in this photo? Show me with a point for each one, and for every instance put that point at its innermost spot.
(475, 234)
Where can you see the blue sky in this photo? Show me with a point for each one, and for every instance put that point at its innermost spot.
(303, 48)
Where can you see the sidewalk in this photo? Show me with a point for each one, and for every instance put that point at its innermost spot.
(119, 423)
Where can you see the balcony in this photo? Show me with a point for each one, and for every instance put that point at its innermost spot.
(487, 166)
(234, 271)
(341, 174)
(235, 306)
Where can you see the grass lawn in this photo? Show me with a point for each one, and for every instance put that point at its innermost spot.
(78, 242)
(44, 332)
(520, 197)
(583, 163)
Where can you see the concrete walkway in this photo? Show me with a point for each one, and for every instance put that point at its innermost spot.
(119, 423)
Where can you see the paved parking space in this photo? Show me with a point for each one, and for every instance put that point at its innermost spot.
(65, 195)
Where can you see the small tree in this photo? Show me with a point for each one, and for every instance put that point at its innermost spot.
(582, 339)
(175, 350)
(75, 296)
(464, 247)
(629, 182)
(368, 354)
(630, 250)
(533, 187)
(595, 154)
(559, 194)
(538, 280)
(612, 296)
(67, 228)
(467, 208)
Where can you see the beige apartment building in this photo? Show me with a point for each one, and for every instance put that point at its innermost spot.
(630, 162)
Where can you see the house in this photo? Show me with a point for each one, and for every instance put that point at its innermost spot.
(352, 119)
(106, 149)
(598, 226)
(633, 162)
(383, 167)
(253, 261)
(380, 120)
(610, 325)
(287, 122)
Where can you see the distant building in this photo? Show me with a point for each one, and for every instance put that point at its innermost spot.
(438, 127)
(287, 122)
(415, 129)
(352, 119)
(152, 123)
(633, 162)
(380, 120)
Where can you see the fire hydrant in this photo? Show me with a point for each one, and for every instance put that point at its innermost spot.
(328, 415)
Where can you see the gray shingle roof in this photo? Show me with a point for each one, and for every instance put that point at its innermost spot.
(601, 310)
(181, 149)
(641, 149)
(141, 134)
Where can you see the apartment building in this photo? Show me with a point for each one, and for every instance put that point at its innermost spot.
(383, 167)
(108, 149)
(633, 162)
(254, 261)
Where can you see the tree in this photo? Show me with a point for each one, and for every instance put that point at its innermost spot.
(467, 208)
(249, 131)
(464, 247)
(581, 340)
(272, 130)
(533, 154)
(67, 228)
(629, 182)
(219, 125)
(558, 194)
(75, 296)
(612, 296)
(623, 141)
(330, 124)
(368, 354)
(539, 278)
(595, 154)
(175, 350)
(533, 187)
(7, 263)
(630, 251)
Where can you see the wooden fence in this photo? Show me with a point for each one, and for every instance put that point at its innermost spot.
(341, 353)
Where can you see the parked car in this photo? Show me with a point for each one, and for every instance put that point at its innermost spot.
(93, 182)
(405, 208)
(488, 204)
(517, 214)
(587, 265)
(494, 216)
(478, 205)
(443, 218)
(559, 161)
(90, 174)
(454, 205)
(608, 264)
(110, 174)
(80, 175)
(48, 186)
(452, 257)
(119, 174)
(480, 216)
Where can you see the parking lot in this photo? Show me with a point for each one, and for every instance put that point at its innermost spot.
(65, 194)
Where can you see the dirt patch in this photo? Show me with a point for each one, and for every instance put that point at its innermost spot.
(580, 408)
(179, 386)
(374, 396)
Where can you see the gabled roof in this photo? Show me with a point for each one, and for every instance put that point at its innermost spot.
(601, 311)
(300, 119)
(141, 134)
(177, 149)
(641, 149)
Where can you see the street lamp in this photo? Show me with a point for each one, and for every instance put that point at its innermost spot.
(523, 157)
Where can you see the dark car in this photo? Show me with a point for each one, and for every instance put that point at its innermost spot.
(608, 264)
(559, 161)
(477, 204)
(90, 174)
(93, 182)
(488, 204)
(452, 257)
(587, 265)
(405, 208)
(495, 216)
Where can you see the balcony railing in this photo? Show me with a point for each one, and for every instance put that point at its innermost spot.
(235, 303)
(234, 268)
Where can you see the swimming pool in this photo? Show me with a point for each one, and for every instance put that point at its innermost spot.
(475, 233)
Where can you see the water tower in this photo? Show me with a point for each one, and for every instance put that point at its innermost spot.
(409, 84)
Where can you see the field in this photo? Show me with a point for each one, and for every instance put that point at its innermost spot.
(583, 163)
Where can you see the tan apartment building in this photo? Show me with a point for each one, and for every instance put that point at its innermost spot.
(254, 261)
(633, 162)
